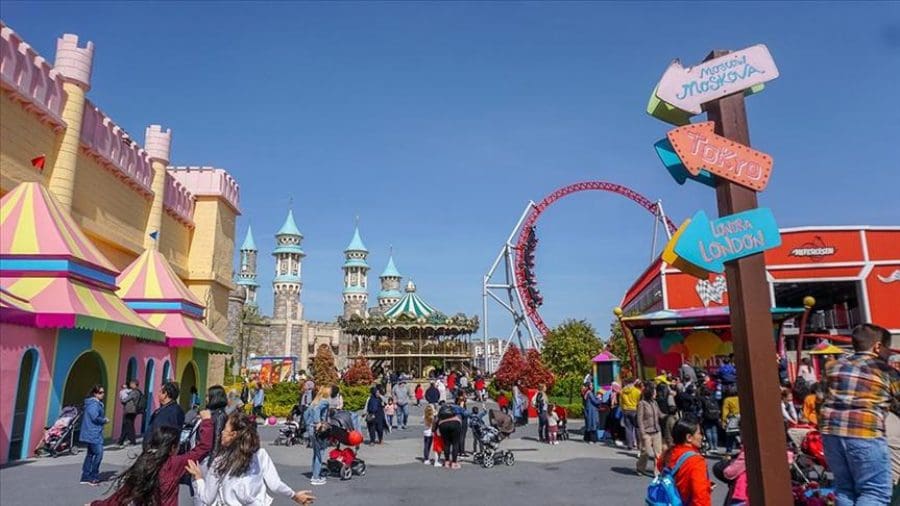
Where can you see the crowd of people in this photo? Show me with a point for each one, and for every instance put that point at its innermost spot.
(855, 407)
(673, 422)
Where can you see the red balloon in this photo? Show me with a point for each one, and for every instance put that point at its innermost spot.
(354, 438)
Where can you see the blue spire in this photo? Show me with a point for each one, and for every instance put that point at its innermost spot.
(290, 226)
(391, 270)
(249, 243)
(356, 243)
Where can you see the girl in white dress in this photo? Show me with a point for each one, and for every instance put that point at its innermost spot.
(241, 473)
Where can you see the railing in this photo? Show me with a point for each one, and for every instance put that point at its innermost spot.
(30, 78)
(114, 149)
(383, 348)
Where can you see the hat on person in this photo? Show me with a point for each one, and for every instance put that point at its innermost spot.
(661, 379)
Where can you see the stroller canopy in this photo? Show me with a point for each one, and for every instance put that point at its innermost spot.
(502, 421)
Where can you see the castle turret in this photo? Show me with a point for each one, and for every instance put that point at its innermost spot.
(246, 277)
(390, 286)
(74, 65)
(288, 259)
(157, 144)
(356, 277)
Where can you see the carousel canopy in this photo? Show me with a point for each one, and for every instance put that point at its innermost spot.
(411, 317)
(410, 305)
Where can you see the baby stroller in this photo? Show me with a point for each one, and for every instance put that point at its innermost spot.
(501, 426)
(809, 465)
(341, 428)
(563, 431)
(59, 438)
(293, 430)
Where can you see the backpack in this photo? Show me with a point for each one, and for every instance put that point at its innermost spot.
(662, 490)
(446, 411)
(141, 402)
(711, 410)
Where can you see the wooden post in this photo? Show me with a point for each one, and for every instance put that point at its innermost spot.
(762, 427)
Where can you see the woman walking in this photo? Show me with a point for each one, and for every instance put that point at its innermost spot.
(690, 472)
(648, 429)
(92, 435)
(154, 476)
(312, 418)
(375, 417)
(241, 473)
(591, 405)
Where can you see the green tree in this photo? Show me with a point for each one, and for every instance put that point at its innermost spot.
(568, 350)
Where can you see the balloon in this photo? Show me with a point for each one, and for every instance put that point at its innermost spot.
(272, 420)
(354, 438)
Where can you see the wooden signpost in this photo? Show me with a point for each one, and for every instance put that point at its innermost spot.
(718, 86)
(699, 148)
(689, 88)
(708, 244)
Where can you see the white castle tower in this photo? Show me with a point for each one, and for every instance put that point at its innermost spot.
(390, 286)
(356, 277)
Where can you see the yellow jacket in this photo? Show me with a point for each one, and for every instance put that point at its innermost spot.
(730, 407)
(629, 398)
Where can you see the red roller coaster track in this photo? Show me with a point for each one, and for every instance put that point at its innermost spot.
(530, 307)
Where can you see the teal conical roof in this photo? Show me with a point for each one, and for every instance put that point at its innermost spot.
(290, 226)
(391, 270)
(356, 243)
(249, 243)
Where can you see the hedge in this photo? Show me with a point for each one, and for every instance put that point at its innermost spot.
(280, 398)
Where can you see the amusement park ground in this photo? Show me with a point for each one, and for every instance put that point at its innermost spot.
(571, 473)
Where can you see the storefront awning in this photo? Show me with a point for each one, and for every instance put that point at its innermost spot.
(702, 316)
(68, 303)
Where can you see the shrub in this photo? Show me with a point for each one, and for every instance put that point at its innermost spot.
(535, 372)
(359, 373)
(510, 368)
(323, 370)
(568, 387)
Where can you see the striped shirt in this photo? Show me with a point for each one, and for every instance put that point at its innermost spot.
(861, 389)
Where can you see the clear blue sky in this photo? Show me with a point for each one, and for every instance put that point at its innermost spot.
(436, 123)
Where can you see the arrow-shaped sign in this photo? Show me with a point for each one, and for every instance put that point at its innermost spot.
(709, 244)
(673, 164)
(671, 258)
(689, 88)
(667, 112)
(699, 148)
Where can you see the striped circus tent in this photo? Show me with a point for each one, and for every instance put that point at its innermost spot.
(410, 306)
(47, 262)
(151, 288)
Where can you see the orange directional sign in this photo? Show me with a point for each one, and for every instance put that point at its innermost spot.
(699, 148)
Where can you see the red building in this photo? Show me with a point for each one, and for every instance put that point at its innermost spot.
(852, 272)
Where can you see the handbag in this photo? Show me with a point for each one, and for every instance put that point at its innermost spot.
(733, 424)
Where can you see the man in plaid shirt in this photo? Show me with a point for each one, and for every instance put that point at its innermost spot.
(862, 389)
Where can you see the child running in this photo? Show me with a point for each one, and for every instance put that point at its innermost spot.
(389, 412)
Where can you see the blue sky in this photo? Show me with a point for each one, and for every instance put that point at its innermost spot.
(436, 123)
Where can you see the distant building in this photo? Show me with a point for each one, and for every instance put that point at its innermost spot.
(495, 350)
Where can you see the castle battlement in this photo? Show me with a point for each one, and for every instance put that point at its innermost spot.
(158, 143)
(73, 62)
(205, 181)
(115, 150)
(30, 78)
(178, 201)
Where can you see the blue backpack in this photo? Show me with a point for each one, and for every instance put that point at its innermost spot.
(662, 491)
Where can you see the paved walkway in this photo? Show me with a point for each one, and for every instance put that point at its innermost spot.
(571, 473)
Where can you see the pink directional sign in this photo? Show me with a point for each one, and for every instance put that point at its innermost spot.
(689, 88)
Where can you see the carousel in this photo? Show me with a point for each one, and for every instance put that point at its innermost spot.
(412, 336)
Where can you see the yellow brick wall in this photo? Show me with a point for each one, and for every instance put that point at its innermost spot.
(23, 137)
(174, 243)
(211, 259)
(105, 207)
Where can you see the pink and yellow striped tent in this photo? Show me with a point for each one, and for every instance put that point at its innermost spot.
(47, 262)
(151, 287)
